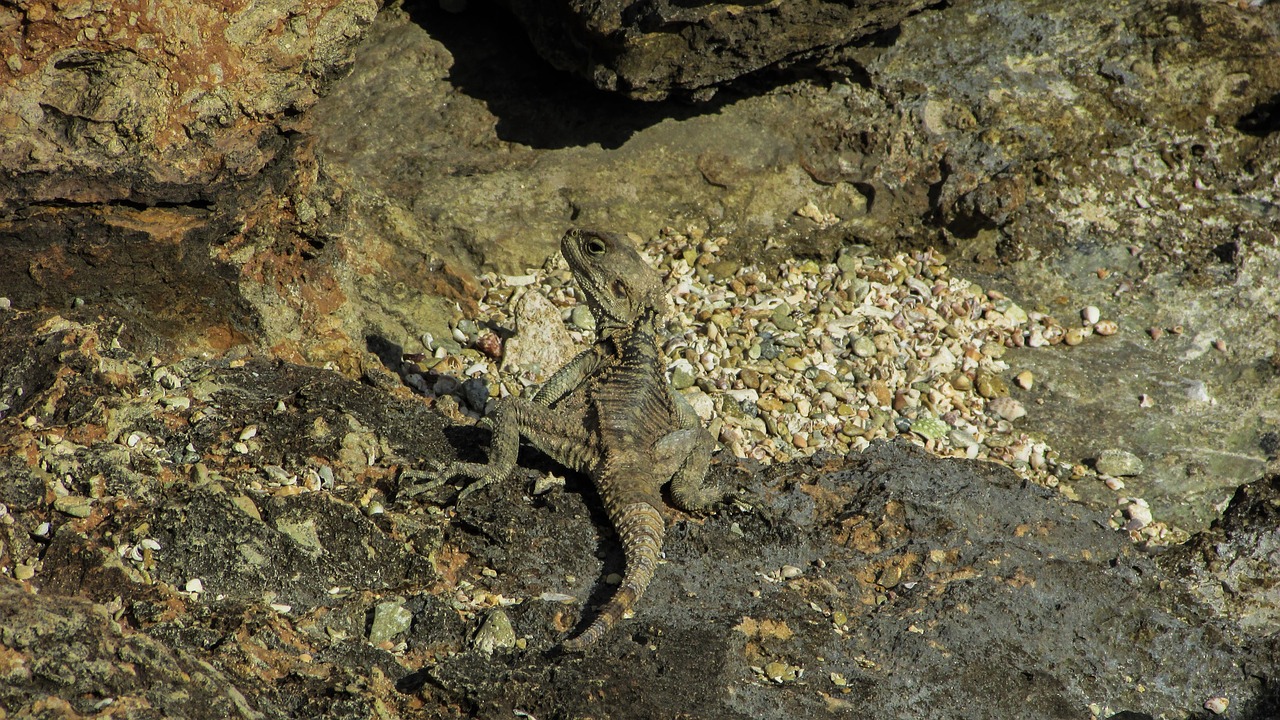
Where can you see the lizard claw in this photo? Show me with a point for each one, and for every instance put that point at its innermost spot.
(421, 481)
(415, 482)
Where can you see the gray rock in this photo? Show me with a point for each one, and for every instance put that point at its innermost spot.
(476, 392)
(1119, 463)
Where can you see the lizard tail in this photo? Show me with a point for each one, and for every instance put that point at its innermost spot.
(641, 529)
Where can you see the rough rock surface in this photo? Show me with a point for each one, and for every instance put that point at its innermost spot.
(649, 50)
(158, 103)
(241, 524)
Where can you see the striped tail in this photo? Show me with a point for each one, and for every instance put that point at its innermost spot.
(641, 529)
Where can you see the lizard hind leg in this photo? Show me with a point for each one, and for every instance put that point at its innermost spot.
(690, 450)
(641, 529)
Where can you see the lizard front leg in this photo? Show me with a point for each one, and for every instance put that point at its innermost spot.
(548, 430)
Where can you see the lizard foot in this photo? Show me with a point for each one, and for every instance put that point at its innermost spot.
(421, 481)
(416, 482)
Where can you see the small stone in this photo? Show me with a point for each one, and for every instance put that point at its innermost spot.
(1007, 408)
(848, 263)
(1090, 314)
(547, 483)
(582, 318)
(1073, 336)
(194, 585)
(723, 269)
(475, 392)
(750, 378)
(73, 505)
(1025, 379)
(496, 633)
(682, 376)
(930, 428)
(991, 386)
(1014, 312)
(249, 432)
(790, 572)
(864, 347)
(1119, 463)
(779, 672)
(1217, 704)
(1139, 516)
(389, 619)
(1106, 327)
(490, 345)
(24, 572)
(176, 403)
(782, 318)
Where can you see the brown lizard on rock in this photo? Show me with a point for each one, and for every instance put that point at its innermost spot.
(611, 414)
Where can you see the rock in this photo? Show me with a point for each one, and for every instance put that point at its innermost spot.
(74, 506)
(495, 634)
(929, 427)
(181, 100)
(1231, 566)
(864, 347)
(1007, 408)
(541, 344)
(389, 620)
(893, 539)
(476, 392)
(1118, 463)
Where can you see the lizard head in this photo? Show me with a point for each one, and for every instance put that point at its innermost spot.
(616, 282)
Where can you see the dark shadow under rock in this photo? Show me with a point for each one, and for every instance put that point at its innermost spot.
(651, 49)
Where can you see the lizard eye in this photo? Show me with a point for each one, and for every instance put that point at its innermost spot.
(595, 247)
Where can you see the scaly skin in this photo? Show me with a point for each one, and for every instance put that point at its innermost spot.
(611, 414)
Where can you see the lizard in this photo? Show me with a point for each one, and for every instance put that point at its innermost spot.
(611, 414)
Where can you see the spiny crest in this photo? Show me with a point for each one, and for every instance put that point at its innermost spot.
(617, 284)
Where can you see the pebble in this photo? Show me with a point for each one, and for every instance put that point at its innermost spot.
(547, 483)
(790, 572)
(489, 344)
(1217, 704)
(781, 672)
(1119, 463)
(582, 318)
(1139, 516)
(476, 392)
(390, 618)
(864, 347)
(1025, 379)
(73, 505)
(1007, 408)
(930, 428)
(1074, 336)
(1090, 314)
(496, 633)
(1106, 328)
